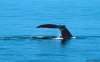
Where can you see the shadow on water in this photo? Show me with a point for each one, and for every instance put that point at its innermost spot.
(63, 41)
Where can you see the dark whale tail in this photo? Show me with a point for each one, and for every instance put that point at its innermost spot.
(64, 31)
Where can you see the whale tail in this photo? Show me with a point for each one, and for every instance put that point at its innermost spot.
(65, 34)
(48, 26)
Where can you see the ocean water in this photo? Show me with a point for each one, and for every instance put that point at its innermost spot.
(19, 19)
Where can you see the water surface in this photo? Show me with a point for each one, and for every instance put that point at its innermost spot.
(19, 18)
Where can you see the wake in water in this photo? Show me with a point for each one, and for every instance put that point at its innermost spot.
(15, 37)
(63, 42)
(29, 37)
(42, 37)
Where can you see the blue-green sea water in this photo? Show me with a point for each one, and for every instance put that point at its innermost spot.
(19, 19)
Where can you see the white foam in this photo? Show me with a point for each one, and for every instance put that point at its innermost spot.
(58, 38)
(73, 37)
(62, 38)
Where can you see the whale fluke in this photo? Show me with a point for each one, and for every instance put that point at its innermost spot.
(48, 26)
(65, 34)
